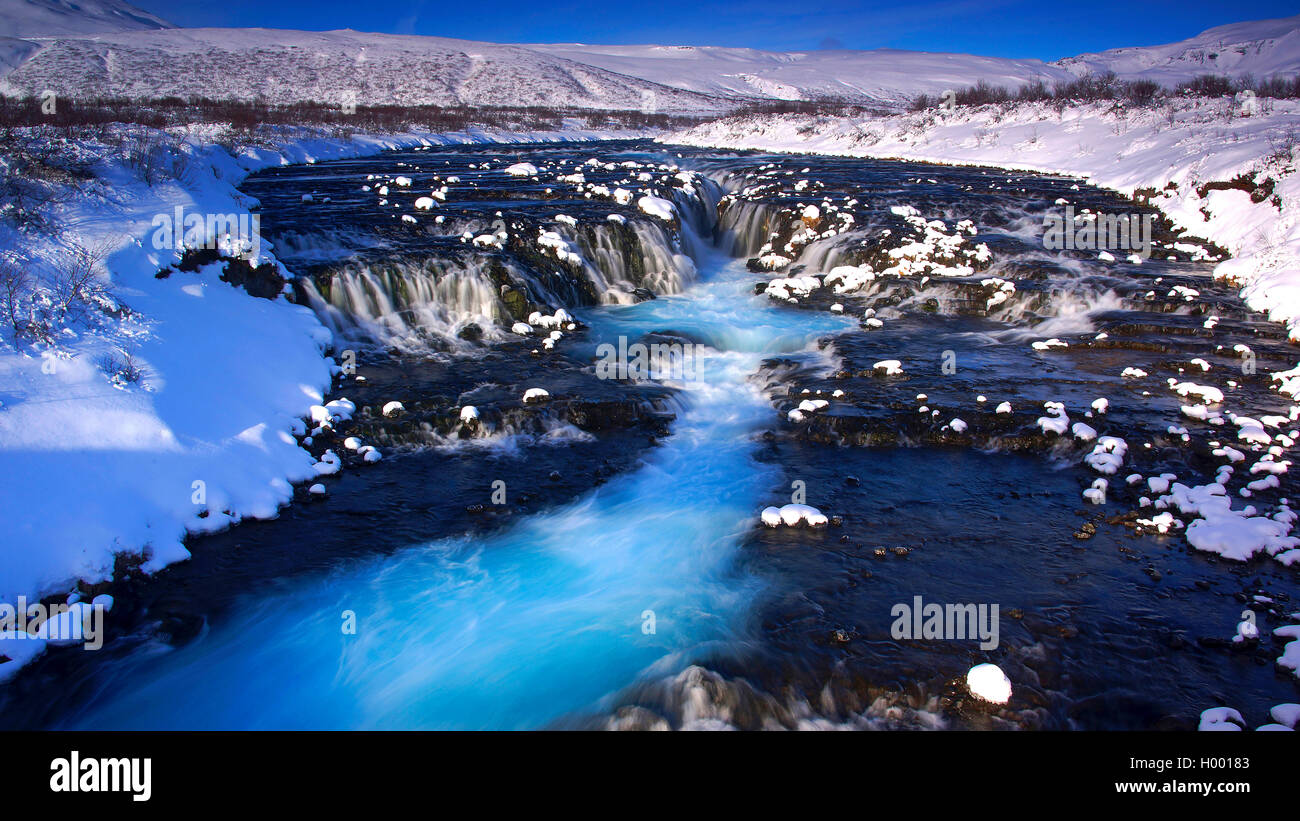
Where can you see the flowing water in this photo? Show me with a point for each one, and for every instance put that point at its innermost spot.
(623, 579)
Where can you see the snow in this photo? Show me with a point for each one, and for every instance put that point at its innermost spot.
(1220, 719)
(792, 515)
(1206, 393)
(988, 682)
(893, 76)
(1290, 657)
(1246, 631)
(1097, 492)
(329, 464)
(147, 448)
(51, 18)
(285, 66)
(1233, 534)
(1160, 484)
(877, 76)
(1108, 455)
(1056, 421)
(522, 169)
(807, 406)
(1259, 47)
(791, 288)
(1286, 714)
(20, 650)
(1161, 522)
(657, 207)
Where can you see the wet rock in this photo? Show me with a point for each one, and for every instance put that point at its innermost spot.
(637, 719)
(263, 281)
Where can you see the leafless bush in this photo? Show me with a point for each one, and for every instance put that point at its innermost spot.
(37, 170)
(15, 284)
(1094, 88)
(76, 285)
(145, 151)
(1284, 147)
(94, 115)
(120, 367)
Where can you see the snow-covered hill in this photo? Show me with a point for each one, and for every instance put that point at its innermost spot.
(58, 18)
(341, 66)
(1261, 47)
(879, 76)
(333, 67)
(378, 69)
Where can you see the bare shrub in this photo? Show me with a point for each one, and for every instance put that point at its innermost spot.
(76, 285)
(145, 151)
(37, 170)
(15, 284)
(1095, 88)
(121, 368)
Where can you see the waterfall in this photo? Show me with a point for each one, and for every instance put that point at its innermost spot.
(618, 259)
(743, 226)
(405, 304)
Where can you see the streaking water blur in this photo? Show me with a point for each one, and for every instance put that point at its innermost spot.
(516, 630)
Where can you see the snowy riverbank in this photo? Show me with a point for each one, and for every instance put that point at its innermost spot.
(201, 434)
(1169, 152)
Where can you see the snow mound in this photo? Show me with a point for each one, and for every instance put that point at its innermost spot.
(791, 515)
(988, 682)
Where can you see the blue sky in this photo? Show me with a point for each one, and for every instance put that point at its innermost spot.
(1003, 28)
